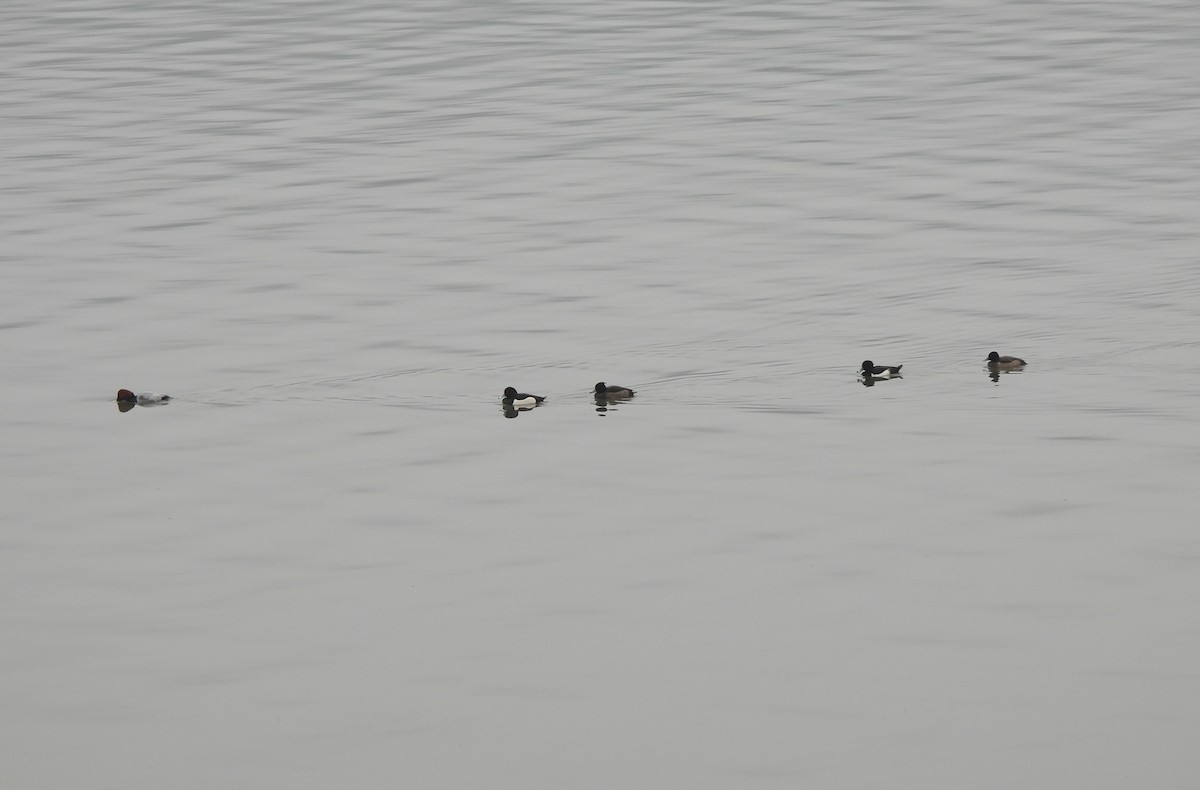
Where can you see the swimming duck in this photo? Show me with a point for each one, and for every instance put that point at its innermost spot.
(142, 399)
(997, 362)
(514, 398)
(612, 391)
(869, 368)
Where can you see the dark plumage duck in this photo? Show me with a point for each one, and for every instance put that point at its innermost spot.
(997, 362)
(612, 391)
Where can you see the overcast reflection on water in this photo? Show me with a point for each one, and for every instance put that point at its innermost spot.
(335, 233)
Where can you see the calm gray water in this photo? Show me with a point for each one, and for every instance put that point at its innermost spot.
(335, 232)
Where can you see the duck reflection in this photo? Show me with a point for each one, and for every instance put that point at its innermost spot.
(511, 410)
(994, 374)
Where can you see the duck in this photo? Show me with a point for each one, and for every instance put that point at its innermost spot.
(143, 398)
(997, 362)
(514, 398)
(869, 368)
(612, 391)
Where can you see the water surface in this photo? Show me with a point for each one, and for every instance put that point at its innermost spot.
(336, 232)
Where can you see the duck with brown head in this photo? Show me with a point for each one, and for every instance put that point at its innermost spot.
(997, 362)
(609, 391)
